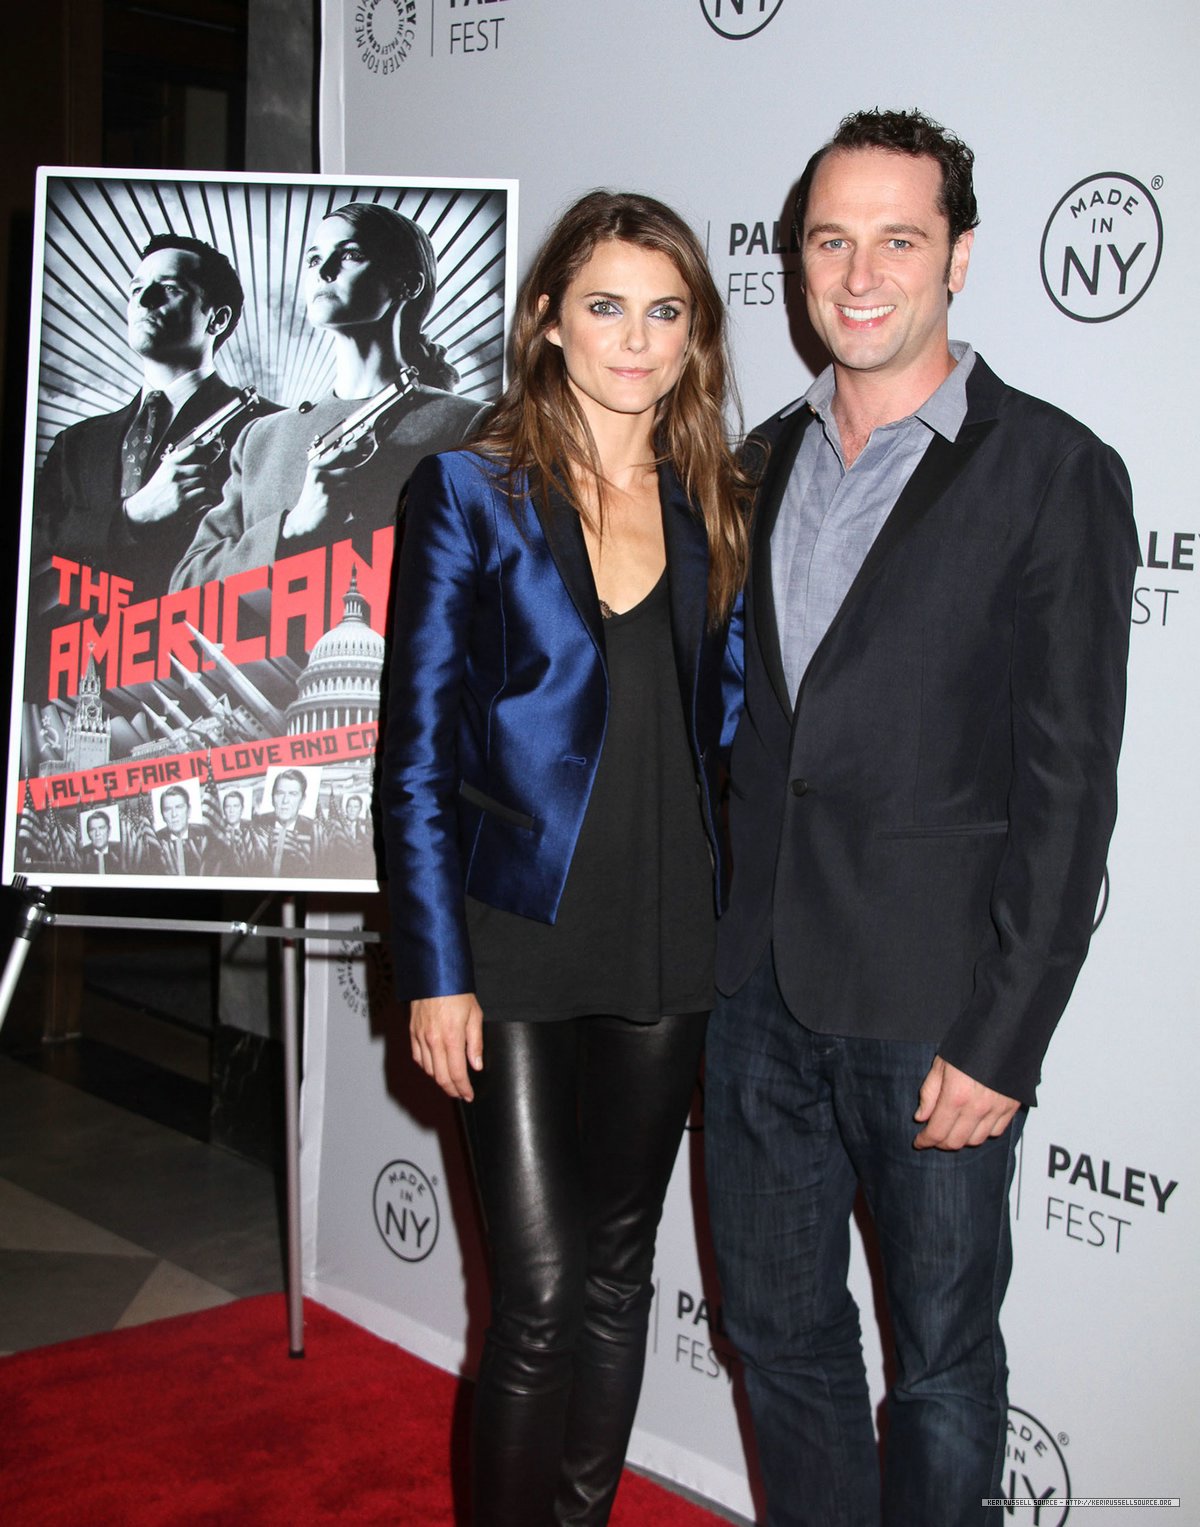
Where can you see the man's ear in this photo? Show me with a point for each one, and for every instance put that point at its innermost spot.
(960, 258)
(219, 320)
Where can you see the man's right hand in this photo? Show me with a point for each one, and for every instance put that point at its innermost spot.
(447, 1037)
(182, 481)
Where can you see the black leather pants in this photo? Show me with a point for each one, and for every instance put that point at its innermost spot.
(573, 1134)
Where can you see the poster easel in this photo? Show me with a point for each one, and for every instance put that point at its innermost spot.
(37, 914)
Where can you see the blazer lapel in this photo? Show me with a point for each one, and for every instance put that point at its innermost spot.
(770, 496)
(686, 543)
(563, 533)
(933, 477)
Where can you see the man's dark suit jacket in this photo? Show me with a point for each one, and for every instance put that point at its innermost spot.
(195, 851)
(112, 862)
(923, 835)
(299, 844)
(78, 510)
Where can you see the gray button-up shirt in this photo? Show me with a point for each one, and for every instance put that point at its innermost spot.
(830, 515)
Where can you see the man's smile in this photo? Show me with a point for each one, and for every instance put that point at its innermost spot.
(865, 315)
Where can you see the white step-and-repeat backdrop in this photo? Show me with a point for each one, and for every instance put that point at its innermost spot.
(1082, 290)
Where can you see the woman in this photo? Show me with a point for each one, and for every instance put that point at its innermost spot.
(369, 280)
(560, 692)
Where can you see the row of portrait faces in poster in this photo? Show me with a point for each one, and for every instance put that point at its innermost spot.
(292, 821)
(286, 793)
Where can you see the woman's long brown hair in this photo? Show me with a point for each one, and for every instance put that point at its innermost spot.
(539, 429)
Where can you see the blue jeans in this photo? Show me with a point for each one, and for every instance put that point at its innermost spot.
(794, 1122)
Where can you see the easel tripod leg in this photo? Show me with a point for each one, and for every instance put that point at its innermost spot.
(33, 915)
(291, 1126)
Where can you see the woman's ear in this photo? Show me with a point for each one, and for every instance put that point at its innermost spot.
(552, 332)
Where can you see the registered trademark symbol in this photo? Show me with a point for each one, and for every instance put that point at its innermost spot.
(1156, 183)
(1063, 1438)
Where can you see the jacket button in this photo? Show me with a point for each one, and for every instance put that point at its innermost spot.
(799, 787)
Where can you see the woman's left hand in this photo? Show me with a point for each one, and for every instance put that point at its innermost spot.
(447, 1036)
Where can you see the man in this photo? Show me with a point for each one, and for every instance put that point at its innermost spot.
(923, 792)
(110, 495)
(349, 849)
(101, 857)
(240, 847)
(357, 826)
(182, 845)
(288, 837)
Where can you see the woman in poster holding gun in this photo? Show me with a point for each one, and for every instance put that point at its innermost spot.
(564, 677)
(334, 469)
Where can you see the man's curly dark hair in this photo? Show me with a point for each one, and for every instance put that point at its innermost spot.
(903, 132)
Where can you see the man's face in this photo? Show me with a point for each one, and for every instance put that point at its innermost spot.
(175, 812)
(354, 808)
(286, 798)
(878, 266)
(231, 807)
(97, 831)
(168, 314)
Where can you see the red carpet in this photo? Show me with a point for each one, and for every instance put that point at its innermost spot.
(204, 1421)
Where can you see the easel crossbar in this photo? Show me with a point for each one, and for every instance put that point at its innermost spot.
(206, 925)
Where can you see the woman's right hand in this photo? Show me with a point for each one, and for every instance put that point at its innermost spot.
(447, 1037)
(316, 503)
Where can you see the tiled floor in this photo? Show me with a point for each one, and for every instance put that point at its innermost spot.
(112, 1212)
(107, 1219)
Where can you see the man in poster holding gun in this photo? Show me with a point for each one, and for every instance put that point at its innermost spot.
(334, 469)
(125, 491)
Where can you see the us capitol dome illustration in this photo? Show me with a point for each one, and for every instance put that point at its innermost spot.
(340, 685)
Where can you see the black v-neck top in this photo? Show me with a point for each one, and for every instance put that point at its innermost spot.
(635, 928)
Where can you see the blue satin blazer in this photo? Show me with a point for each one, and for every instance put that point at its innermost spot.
(497, 705)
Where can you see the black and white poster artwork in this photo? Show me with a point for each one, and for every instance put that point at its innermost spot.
(231, 380)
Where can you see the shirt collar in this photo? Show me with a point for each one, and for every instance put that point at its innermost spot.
(180, 390)
(944, 410)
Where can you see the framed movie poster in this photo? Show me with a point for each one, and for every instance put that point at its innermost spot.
(231, 380)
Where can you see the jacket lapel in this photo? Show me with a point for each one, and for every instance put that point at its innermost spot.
(563, 532)
(934, 476)
(686, 543)
(770, 496)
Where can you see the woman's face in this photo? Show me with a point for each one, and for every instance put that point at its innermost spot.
(343, 285)
(623, 330)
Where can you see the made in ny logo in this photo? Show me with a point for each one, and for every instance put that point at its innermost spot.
(384, 33)
(1101, 247)
(736, 19)
(406, 1211)
(1035, 1485)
